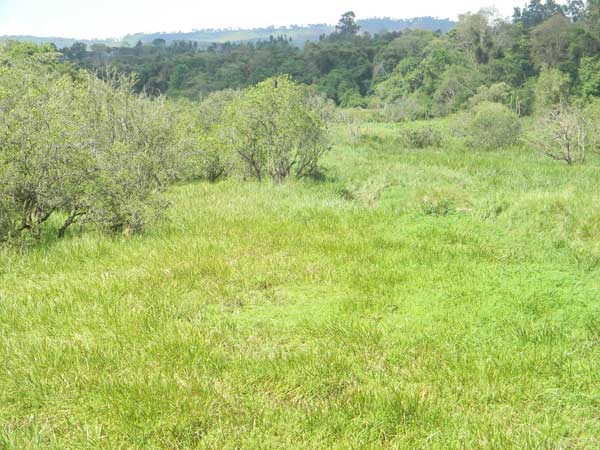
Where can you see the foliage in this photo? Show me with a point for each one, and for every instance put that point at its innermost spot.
(412, 107)
(591, 116)
(271, 130)
(561, 134)
(199, 129)
(495, 93)
(550, 41)
(420, 137)
(589, 74)
(492, 126)
(454, 89)
(347, 26)
(474, 36)
(88, 149)
(386, 68)
(551, 89)
(459, 311)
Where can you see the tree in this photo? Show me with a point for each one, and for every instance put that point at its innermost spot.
(551, 90)
(589, 76)
(455, 87)
(347, 25)
(575, 10)
(537, 12)
(550, 41)
(474, 35)
(78, 50)
(409, 45)
(592, 16)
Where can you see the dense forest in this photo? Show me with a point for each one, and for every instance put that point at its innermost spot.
(419, 73)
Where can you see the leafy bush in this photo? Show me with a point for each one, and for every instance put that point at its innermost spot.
(420, 137)
(589, 74)
(130, 143)
(273, 130)
(491, 126)
(591, 114)
(212, 109)
(356, 116)
(408, 108)
(199, 129)
(74, 144)
(495, 93)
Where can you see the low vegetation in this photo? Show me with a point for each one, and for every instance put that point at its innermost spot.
(74, 145)
(492, 126)
(411, 298)
(91, 151)
(309, 276)
(273, 130)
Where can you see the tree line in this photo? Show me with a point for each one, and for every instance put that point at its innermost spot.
(420, 73)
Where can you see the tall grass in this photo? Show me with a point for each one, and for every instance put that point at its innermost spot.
(412, 298)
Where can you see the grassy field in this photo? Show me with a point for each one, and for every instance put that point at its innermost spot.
(411, 298)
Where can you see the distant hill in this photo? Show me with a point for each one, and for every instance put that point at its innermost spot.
(61, 42)
(299, 34)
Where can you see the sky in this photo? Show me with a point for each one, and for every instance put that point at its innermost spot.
(86, 19)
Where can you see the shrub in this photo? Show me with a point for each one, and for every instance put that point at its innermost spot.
(408, 108)
(130, 143)
(205, 130)
(272, 130)
(74, 144)
(211, 110)
(561, 134)
(356, 116)
(420, 137)
(495, 93)
(40, 163)
(492, 125)
(319, 103)
(199, 129)
(7, 218)
(442, 200)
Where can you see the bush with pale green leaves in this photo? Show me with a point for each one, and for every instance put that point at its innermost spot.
(496, 93)
(420, 137)
(492, 126)
(199, 129)
(77, 147)
(274, 130)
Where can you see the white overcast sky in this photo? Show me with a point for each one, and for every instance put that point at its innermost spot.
(114, 18)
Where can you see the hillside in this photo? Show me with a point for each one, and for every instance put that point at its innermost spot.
(299, 34)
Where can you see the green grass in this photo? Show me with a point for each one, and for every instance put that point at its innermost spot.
(432, 298)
